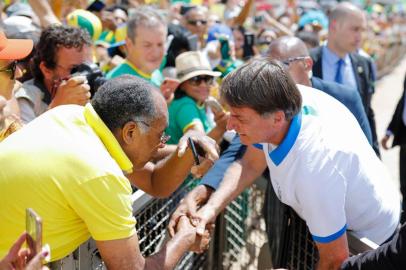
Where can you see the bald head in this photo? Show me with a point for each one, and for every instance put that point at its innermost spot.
(287, 47)
(344, 11)
(293, 50)
(345, 31)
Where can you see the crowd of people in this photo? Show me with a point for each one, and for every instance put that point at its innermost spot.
(99, 98)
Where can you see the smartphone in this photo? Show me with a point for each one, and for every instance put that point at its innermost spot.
(249, 42)
(34, 231)
(214, 104)
(194, 151)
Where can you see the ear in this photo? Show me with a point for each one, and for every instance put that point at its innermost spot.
(332, 25)
(130, 132)
(279, 118)
(129, 44)
(308, 63)
(45, 70)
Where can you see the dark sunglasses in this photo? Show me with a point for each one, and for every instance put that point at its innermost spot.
(196, 22)
(11, 68)
(196, 81)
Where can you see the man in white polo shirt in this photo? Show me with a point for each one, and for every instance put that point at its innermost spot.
(319, 160)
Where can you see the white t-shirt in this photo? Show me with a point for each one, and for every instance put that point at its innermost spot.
(327, 172)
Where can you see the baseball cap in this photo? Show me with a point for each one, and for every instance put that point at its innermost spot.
(14, 48)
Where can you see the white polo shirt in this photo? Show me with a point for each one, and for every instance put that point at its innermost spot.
(328, 173)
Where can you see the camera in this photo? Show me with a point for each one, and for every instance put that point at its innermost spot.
(93, 74)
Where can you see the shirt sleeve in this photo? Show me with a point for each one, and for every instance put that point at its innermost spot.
(104, 204)
(187, 115)
(321, 196)
(27, 112)
(215, 175)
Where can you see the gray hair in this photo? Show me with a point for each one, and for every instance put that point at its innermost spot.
(124, 99)
(264, 86)
(145, 16)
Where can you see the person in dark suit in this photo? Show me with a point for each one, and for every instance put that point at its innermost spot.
(397, 130)
(338, 60)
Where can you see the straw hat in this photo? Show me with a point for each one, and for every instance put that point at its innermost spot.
(191, 64)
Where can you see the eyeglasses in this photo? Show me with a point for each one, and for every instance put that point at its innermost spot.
(11, 68)
(196, 22)
(293, 59)
(196, 81)
(164, 137)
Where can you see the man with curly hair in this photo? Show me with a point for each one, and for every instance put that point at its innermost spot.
(59, 50)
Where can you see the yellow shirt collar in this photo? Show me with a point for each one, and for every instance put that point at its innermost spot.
(108, 139)
(137, 70)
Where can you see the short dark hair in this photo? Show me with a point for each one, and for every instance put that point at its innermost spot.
(123, 99)
(53, 38)
(264, 86)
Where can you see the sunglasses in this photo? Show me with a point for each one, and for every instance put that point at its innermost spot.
(293, 59)
(196, 22)
(196, 81)
(11, 68)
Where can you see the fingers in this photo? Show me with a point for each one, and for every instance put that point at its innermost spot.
(208, 145)
(77, 80)
(36, 262)
(13, 253)
(173, 222)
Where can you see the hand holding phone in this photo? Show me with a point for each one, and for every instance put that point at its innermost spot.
(194, 151)
(214, 105)
(34, 231)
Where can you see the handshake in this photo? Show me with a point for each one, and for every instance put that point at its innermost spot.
(193, 221)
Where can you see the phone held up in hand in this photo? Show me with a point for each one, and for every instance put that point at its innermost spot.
(34, 231)
(214, 105)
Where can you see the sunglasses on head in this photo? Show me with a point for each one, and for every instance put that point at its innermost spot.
(196, 22)
(199, 79)
(10, 68)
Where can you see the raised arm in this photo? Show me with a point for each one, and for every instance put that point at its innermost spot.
(162, 179)
(239, 176)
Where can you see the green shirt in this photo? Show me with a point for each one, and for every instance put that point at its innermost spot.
(183, 113)
(156, 78)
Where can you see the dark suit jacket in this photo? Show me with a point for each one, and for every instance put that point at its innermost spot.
(396, 125)
(348, 97)
(365, 78)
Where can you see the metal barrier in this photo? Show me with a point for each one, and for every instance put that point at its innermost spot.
(153, 216)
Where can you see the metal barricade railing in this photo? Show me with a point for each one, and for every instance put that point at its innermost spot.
(153, 216)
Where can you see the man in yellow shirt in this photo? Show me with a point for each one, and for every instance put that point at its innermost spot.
(73, 165)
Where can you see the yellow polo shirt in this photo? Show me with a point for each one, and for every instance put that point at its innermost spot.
(68, 167)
